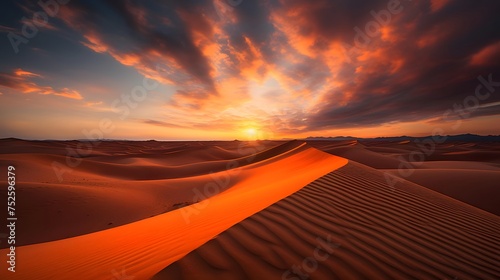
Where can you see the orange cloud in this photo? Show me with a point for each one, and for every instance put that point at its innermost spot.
(19, 81)
(31, 87)
(292, 23)
(91, 104)
(68, 93)
(21, 72)
(94, 43)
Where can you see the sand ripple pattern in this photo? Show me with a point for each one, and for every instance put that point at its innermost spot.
(406, 232)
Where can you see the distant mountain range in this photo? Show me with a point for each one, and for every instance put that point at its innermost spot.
(457, 138)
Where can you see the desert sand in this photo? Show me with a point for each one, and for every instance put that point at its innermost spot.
(254, 210)
(148, 245)
(469, 172)
(373, 232)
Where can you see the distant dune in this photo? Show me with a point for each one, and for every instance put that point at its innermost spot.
(467, 171)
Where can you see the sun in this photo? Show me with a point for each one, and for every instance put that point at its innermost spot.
(251, 133)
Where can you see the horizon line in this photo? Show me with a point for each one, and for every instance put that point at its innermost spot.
(248, 140)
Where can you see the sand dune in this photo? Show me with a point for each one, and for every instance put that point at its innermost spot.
(120, 183)
(146, 246)
(469, 172)
(479, 188)
(375, 232)
(239, 210)
(356, 152)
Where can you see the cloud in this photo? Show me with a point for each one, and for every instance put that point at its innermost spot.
(182, 43)
(141, 39)
(32, 18)
(437, 5)
(20, 81)
(7, 29)
(489, 55)
(20, 73)
(416, 67)
(161, 123)
(294, 65)
(90, 104)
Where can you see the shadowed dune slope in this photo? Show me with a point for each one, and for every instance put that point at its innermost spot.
(469, 172)
(357, 152)
(479, 188)
(364, 229)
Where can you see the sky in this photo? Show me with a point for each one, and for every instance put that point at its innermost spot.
(248, 69)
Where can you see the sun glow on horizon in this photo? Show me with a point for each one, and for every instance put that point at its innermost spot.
(251, 133)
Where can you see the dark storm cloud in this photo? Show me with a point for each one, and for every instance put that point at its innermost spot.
(436, 72)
